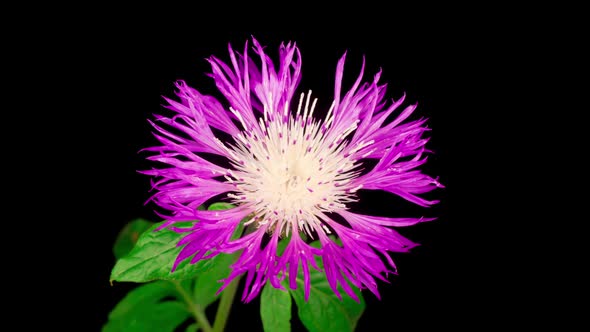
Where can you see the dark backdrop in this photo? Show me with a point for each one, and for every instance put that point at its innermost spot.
(122, 70)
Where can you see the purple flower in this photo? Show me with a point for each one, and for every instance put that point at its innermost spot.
(293, 175)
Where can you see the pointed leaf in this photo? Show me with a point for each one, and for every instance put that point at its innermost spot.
(207, 284)
(154, 254)
(143, 295)
(129, 235)
(160, 317)
(275, 309)
(152, 259)
(142, 309)
(324, 311)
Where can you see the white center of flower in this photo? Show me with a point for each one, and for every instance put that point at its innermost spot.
(292, 173)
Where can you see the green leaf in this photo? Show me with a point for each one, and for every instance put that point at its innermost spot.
(146, 294)
(152, 259)
(220, 206)
(207, 284)
(142, 310)
(275, 309)
(128, 236)
(324, 311)
(154, 254)
(162, 317)
(192, 328)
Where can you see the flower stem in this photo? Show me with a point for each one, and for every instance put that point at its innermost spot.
(225, 303)
(195, 309)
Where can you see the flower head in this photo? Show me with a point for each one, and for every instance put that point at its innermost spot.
(291, 173)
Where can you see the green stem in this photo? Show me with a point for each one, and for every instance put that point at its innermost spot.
(195, 309)
(225, 303)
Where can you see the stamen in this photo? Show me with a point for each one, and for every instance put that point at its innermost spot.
(274, 164)
(239, 116)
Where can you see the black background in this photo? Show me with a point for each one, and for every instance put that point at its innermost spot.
(116, 71)
(438, 277)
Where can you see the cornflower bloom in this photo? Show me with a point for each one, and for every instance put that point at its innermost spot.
(290, 175)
